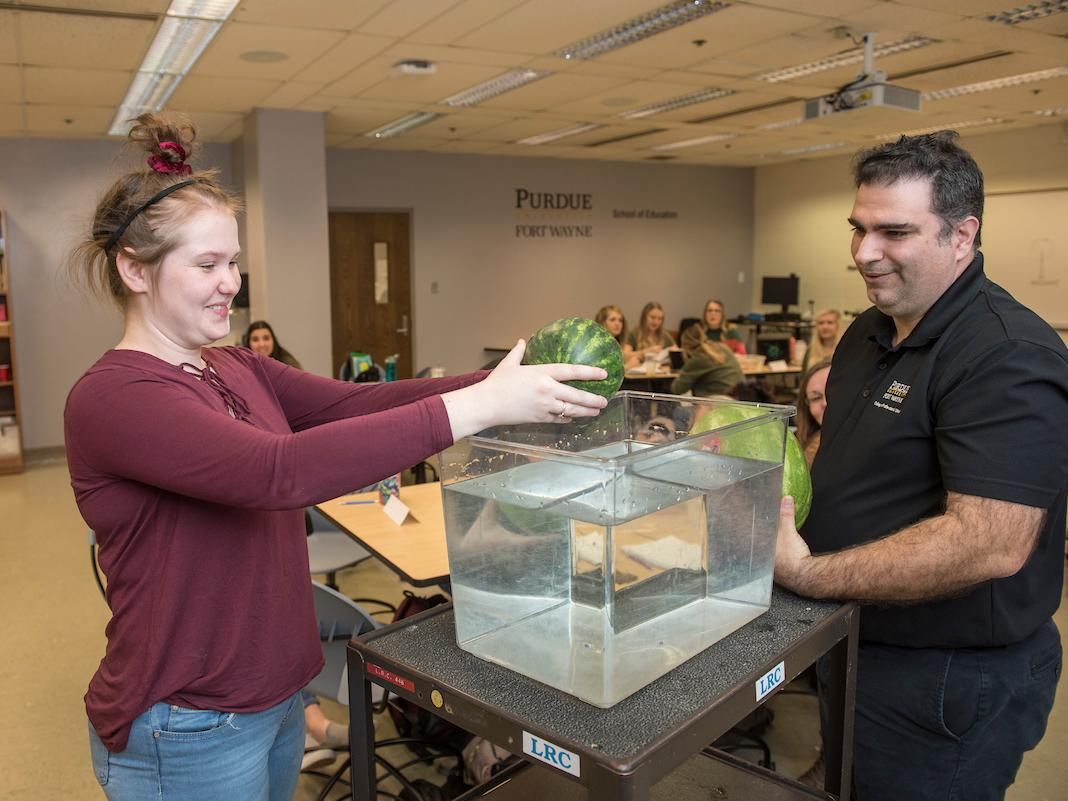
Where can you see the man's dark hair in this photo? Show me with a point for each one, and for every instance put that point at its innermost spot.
(956, 180)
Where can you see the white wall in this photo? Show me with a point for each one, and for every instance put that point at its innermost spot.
(49, 189)
(494, 287)
(801, 210)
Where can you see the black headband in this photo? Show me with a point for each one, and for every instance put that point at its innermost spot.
(156, 198)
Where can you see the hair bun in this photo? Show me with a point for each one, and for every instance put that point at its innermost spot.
(168, 139)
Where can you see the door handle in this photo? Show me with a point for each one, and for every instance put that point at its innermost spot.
(404, 325)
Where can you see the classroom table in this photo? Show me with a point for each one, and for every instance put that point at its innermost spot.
(414, 550)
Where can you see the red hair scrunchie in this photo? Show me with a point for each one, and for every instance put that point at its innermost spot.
(161, 165)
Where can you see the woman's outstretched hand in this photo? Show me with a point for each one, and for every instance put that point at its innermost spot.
(523, 393)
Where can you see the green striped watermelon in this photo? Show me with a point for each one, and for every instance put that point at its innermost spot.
(577, 340)
(764, 443)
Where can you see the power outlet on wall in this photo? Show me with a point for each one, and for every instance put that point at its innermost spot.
(741, 277)
(433, 287)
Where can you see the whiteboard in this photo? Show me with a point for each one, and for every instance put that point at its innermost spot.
(1025, 249)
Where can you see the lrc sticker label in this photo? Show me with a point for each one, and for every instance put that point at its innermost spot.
(770, 680)
(559, 758)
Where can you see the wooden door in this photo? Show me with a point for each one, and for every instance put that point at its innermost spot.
(370, 286)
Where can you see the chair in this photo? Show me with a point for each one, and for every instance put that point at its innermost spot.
(96, 566)
(685, 323)
(330, 549)
(344, 372)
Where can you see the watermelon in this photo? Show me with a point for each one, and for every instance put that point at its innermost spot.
(763, 443)
(576, 340)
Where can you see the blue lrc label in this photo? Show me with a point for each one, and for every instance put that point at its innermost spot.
(559, 758)
(770, 680)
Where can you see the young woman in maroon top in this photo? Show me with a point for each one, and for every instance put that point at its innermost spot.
(193, 464)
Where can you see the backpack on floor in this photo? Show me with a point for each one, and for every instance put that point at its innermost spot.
(414, 721)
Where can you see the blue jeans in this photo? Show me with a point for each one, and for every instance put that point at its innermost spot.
(179, 754)
(950, 724)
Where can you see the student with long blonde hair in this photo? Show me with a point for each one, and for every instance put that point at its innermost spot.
(825, 336)
(650, 336)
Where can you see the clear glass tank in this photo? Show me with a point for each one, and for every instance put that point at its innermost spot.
(595, 556)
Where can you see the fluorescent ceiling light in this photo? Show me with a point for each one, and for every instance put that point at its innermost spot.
(657, 21)
(560, 133)
(403, 125)
(1030, 12)
(1051, 112)
(187, 28)
(700, 140)
(997, 83)
(496, 86)
(778, 126)
(712, 93)
(798, 151)
(852, 56)
(948, 126)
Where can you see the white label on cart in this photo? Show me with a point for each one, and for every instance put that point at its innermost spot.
(550, 754)
(770, 680)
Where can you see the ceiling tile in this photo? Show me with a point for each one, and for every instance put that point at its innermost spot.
(402, 17)
(222, 94)
(69, 120)
(461, 20)
(291, 94)
(12, 118)
(352, 51)
(11, 84)
(8, 28)
(78, 87)
(542, 26)
(65, 40)
(303, 46)
(331, 14)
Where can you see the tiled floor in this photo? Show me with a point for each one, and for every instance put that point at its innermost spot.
(53, 628)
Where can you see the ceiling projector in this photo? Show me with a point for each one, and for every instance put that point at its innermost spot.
(867, 90)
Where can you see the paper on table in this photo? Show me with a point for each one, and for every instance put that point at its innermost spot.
(778, 365)
(396, 510)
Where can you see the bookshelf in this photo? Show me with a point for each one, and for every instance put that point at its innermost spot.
(11, 459)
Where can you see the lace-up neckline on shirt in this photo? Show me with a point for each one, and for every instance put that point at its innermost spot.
(235, 404)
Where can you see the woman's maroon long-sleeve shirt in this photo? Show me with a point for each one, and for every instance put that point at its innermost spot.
(198, 516)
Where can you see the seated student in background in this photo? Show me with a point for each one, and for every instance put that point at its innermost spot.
(717, 329)
(811, 404)
(260, 338)
(824, 338)
(711, 367)
(611, 317)
(650, 336)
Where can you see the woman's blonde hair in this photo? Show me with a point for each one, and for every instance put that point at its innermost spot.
(138, 214)
(817, 352)
(641, 337)
(602, 316)
(807, 427)
(695, 342)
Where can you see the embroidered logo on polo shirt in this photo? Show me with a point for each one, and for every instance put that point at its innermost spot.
(895, 393)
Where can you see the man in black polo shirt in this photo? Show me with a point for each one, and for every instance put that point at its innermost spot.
(939, 490)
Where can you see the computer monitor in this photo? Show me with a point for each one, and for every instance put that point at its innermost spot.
(780, 291)
(241, 298)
